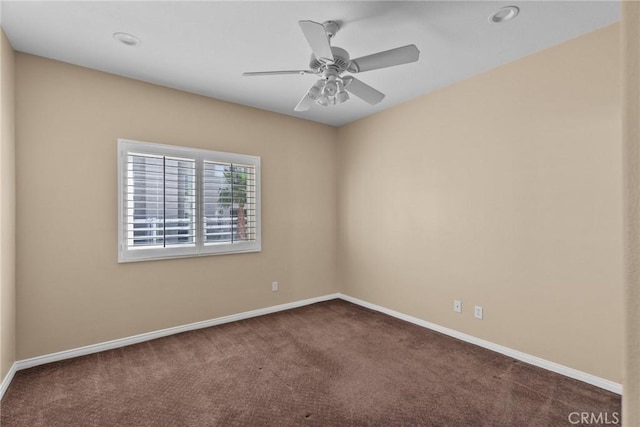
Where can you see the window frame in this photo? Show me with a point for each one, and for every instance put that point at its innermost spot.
(199, 248)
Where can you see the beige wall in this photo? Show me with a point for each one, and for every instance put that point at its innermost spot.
(503, 191)
(631, 128)
(7, 208)
(71, 290)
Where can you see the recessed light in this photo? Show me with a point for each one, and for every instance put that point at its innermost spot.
(128, 39)
(504, 14)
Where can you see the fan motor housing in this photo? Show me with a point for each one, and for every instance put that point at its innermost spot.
(340, 63)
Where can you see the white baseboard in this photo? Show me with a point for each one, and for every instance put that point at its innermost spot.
(122, 342)
(532, 360)
(4, 385)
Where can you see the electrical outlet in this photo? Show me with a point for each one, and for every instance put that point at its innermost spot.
(478, 312)
(457, 306)
(274, 286)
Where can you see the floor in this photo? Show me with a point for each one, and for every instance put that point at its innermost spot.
(331, 363)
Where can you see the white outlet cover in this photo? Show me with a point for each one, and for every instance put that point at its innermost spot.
(457, 306)
(478, 312)
(274, 286)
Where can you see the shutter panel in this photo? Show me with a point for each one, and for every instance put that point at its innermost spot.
(229, 203)
(161, 201)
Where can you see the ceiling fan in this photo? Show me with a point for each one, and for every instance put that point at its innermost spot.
(330, 63)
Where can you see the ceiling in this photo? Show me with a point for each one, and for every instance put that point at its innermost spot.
(203, 47)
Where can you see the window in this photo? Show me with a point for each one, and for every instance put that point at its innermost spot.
(180, 202)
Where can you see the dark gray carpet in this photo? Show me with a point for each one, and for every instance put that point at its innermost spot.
(332, 363)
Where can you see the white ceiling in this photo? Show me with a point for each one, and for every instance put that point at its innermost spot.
(203, 47)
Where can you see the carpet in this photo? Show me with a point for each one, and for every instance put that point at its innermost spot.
(331, 363)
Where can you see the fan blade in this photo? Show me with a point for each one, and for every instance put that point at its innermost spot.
(362, 90)
(305, 103)
(318, 40)
(388, 58)
(277, 73)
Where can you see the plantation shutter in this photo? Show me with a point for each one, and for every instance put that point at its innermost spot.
(180, 202)
(229, 203)
(160, 201)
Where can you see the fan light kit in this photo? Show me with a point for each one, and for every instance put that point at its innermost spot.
(330, 63)
(504, 14)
